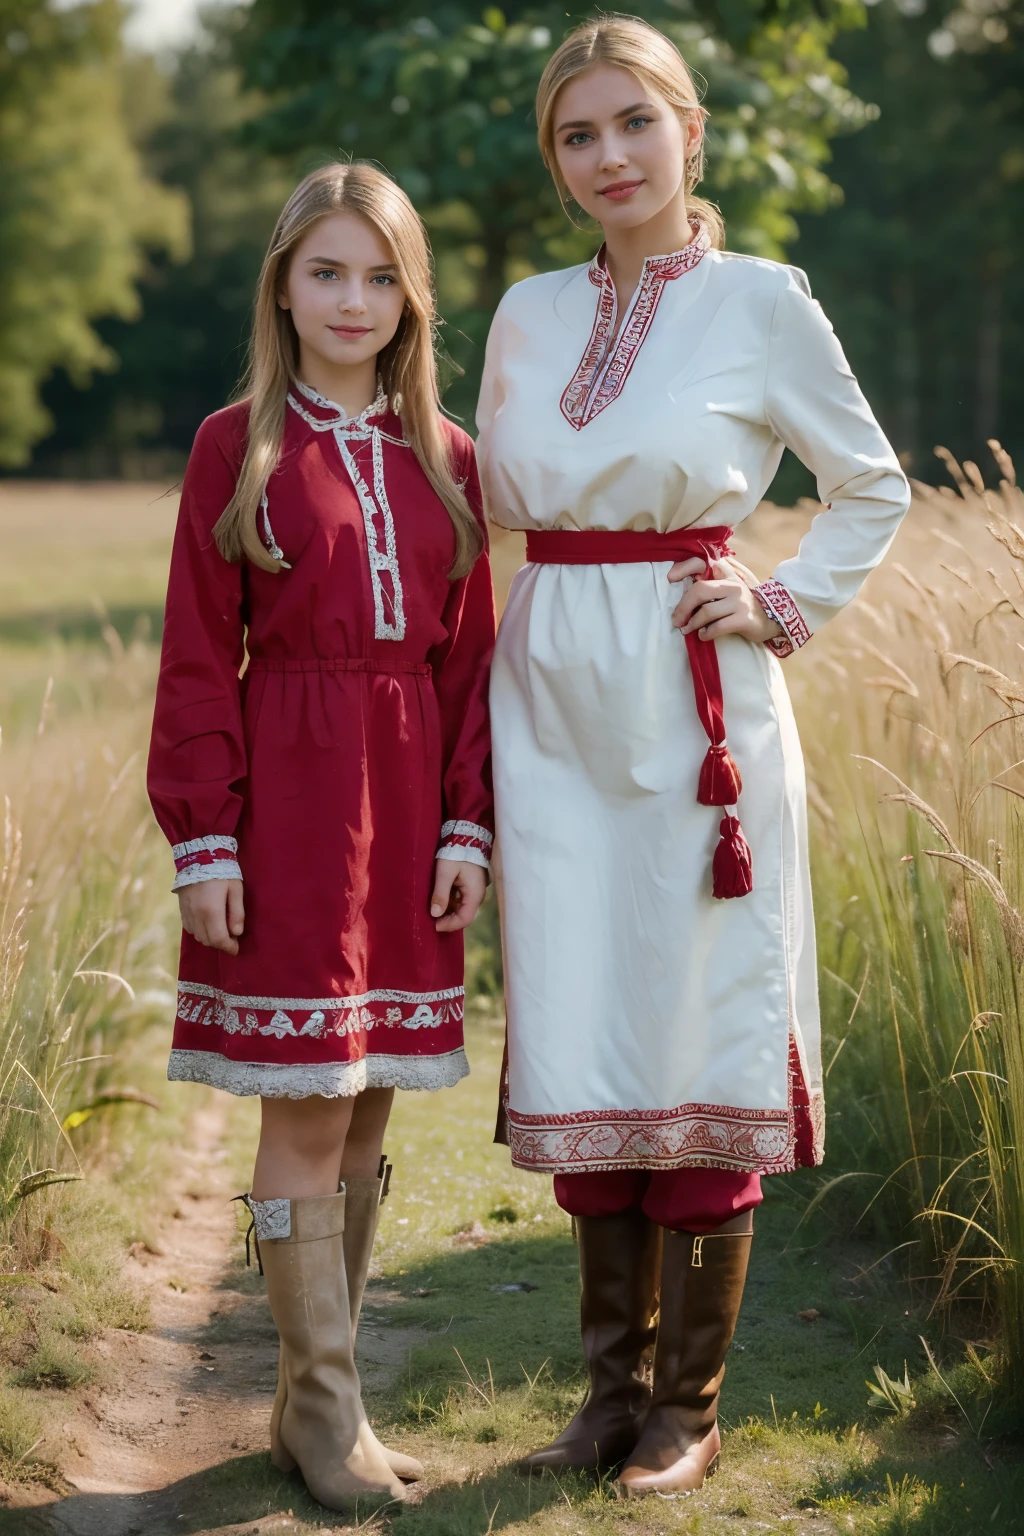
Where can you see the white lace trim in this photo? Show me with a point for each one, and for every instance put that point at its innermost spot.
(220, 869)
(378, 522)
(330, 1080)
(459, 853)
(212, 844)
(273, 547)
(467, 829)
(272, 1219)
(340, 1004)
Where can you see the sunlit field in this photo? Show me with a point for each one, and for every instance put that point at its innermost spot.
(912, 718)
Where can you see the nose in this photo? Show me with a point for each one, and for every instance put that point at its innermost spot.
(351, 300)
(613, 153)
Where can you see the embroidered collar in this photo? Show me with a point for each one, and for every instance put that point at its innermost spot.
(603, 370)
(336, 417)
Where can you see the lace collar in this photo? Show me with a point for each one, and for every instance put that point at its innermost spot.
(336, 417)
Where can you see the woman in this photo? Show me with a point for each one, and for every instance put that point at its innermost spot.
(330, 524)
(663, 1037)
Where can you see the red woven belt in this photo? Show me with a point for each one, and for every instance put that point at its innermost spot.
(720, 783)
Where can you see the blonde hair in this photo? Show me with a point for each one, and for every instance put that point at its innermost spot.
(407, 365)
(627, 43)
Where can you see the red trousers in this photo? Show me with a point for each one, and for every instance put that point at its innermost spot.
(683, 1199)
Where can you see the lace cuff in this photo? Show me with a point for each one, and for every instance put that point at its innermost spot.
(205, 858)
(777, 602)
(466, 842)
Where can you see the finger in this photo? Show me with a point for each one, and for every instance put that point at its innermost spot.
(445, 871)
(727, 626)
(709, 612)
(236, 909)
(684, 568)
(700, 592)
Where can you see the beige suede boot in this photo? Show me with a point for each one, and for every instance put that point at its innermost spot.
(321, 1426)
(362, 1212)
(363, 1199)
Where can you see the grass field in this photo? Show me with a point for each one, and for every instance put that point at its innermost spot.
(914, 1228)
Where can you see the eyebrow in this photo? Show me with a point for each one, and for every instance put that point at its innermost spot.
(328, 261)
(585, 122)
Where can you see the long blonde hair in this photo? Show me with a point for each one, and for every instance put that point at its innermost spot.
(407, 365)
(628, 43)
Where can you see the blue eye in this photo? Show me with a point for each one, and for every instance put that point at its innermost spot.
(642, 121)
(576, 139)
(382, 277)
(326, 272)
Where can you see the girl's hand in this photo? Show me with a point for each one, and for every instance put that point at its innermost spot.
(459, 890)
(213, 912)
(722, 605)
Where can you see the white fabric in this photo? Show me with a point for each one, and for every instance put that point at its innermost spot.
(640, 1009)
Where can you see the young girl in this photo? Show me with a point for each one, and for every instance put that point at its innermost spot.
(662, 1008)
(331, 530)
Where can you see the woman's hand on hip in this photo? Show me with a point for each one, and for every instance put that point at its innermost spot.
(722, 604)
(213, 912)
(459, 890)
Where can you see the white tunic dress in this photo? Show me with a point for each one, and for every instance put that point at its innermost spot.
(649, 1025)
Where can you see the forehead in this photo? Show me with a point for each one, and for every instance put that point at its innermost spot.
(600, 92)
(346, 238)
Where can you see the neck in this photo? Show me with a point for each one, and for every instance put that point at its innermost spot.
(352, 386)
(626, 250)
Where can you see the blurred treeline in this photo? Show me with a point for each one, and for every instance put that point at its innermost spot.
(880, 147)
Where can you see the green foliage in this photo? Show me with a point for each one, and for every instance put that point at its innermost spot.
(920, 268)
(78, 213)
(445, 101)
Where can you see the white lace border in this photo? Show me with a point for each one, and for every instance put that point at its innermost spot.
(326, 1080)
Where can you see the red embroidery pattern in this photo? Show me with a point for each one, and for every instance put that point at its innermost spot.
(317, 1018)
(203, 850)
(694, 1135)
(600, 377)
(777, 602)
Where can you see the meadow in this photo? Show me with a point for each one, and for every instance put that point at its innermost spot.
(911, 715)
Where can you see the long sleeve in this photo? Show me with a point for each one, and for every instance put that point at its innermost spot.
(461, 674)
(815, 406)
(197, 759)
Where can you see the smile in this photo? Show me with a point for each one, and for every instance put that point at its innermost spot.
(618, 191)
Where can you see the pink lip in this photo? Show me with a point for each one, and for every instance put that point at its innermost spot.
(618, 191)
(350, 330)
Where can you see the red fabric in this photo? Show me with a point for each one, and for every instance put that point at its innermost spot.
(683, 1199)
(335, 760)
(720, 781)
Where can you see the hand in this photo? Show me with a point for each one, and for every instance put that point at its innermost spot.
(458, 892)
(721, 605)
(213, 912)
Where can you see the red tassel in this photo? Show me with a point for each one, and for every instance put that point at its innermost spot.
(731, 871)
(720, 781)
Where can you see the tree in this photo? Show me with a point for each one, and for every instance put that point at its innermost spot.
(444, 99)
(78, 214)
(920, 267)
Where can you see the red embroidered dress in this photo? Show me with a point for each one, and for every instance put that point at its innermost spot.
(353, 751)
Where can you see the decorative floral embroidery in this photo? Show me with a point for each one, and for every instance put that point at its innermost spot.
(694, 1135)
(317, 1018)
(778, 603)
(378, 521)
(328, 1080)
(604, 369)
(203, 858)
(466, 842)
(272, 1218)
(273, 548)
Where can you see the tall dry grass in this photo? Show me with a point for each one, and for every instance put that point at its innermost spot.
(86, 936)
(913, 726)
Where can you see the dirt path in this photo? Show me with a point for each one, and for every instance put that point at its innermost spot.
(191, 1394)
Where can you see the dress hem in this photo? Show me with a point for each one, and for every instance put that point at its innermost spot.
(327, 1080)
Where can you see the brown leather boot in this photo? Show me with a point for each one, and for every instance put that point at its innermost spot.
(701, 1289)
(619, 1273)
(322, 1427)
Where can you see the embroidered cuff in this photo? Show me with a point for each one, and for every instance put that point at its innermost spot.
(777, 602)
(205, 858)
(467, 842)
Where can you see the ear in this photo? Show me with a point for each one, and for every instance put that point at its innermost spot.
(693, 133)
(283, 301)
